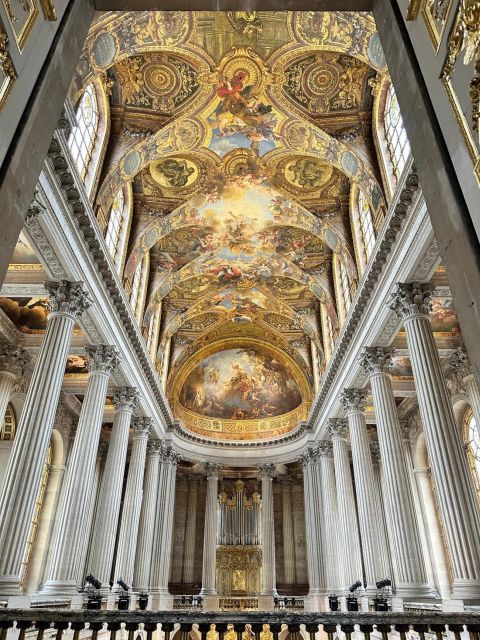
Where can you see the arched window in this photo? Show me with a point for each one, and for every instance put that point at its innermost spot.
(81, 140)
(472, 441)
(137, 281)
(366, 224)
(139, 288)
(114, 227)
(396, 136)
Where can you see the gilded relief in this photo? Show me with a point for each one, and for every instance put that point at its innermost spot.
(8, 75)
(29, 315)
(22, 15)
(435, 14)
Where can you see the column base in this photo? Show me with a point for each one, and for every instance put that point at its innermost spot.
(453, 606)
(10, 586)
(397, 603)
(161, 601)
(466, 590)
(17, 602)
(316, 602)
(265, 602)
(211, 602)
(66, 589)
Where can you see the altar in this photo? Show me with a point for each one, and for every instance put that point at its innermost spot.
(239, 570)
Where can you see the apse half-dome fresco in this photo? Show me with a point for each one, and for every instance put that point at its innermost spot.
(240, 158)
(239, 384)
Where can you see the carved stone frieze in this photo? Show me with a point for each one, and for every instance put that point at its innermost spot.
(41, 241)
(429, 261)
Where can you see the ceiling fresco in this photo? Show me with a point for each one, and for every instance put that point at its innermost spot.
(241, 135)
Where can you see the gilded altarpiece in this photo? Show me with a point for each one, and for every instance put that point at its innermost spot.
(239, 570)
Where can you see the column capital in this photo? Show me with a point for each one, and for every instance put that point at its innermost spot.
(141, 426)
(375, 449)
(267, 470)
(212, 469)
(337, 428)
(305, 459)
(325, 449)
(102, 449)
(126, 399)
(68, 297)
(102, 358)
(460, 363)
(154, 447)
(13, 359)
(410, 299)
(406, 429)
(376, 359)
(354, 400)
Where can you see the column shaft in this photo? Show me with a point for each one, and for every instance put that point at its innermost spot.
(311, 532)
(132, 503)
(268, 533)
(190, 532)
(143, 561)
(330, 517)
(288, 541)
(209, 568)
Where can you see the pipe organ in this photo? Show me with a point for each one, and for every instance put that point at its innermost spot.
(239, 553)
(239, 517)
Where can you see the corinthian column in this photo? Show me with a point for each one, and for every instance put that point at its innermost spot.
(23, 475)
(330, 516)
(209, 568)
(354, 401)
(132, 502)
(287, 530)
(312, 525)
(269, 585)
(460, 363)
(73, 504)
(456, 496)
(12, 366)
(143, 560)
(190, 532)
(105, 531)
(351, 561)
(410, 572)
(164, 526)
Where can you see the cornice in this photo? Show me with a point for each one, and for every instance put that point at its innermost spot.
(80, 213)
(401, 205)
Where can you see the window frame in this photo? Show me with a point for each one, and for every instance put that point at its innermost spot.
(398, 145)
(83, 136)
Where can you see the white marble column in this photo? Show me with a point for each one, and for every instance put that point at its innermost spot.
(190, 532)
(384, 531)
(287, 531)
(73, 504)
(23, 475)
(12, 366)
(410, 571)
(163, 530)
(269, 583)
(330, 517)
(146, 532)
(460, 363)
(102, 548)
(351, 560)
(132, 502)
(457, 501)
(313, 532)
(209, 567)
(82, 566)
(354, 401)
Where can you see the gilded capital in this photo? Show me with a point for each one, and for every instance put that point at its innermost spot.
(410, 299)
(68, 297)
(337, 428)
(460, 363)
(125, 399)
(13, 359)
(376, 359)
(102, 358)
(267, 470)
(325, 449)
(354, 399)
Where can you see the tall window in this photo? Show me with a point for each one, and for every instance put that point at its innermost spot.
(472, 440)
(82, 137)
(345, 287)
(366, 224)
(137, 281)
(397, 141)
(114, 227)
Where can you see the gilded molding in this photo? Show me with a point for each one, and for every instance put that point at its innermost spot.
(7, 69)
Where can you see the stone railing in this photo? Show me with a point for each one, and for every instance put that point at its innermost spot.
(39, 624)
